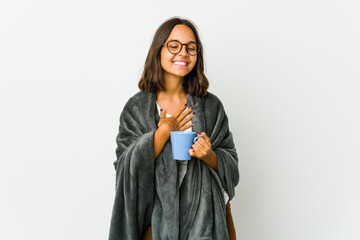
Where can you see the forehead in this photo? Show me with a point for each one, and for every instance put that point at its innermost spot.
(182, 33)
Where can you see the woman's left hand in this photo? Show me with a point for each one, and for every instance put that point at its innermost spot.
(201, 149)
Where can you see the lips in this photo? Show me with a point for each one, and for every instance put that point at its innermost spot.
(180, 63)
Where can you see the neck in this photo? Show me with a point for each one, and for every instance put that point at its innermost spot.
(174, 88)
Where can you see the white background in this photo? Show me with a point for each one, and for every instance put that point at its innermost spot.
(286, 71)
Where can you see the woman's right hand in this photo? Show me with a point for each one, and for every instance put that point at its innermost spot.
(177, 122)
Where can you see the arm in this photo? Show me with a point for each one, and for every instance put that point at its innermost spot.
(177, 122)
(132, 208)
(161, 136)
(201, 149)
(228, 169)
(222, 144)
(212, 161)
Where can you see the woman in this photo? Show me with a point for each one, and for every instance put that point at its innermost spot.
(158, 197)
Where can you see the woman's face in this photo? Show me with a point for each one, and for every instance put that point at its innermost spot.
(183, 34)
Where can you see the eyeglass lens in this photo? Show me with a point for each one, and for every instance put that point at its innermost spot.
(174, 47)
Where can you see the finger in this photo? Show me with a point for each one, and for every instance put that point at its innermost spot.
(185, 114)
(200, 150)
(196, 150)
(199, 146)
(192, 152)
(187, 119)
(203, 134)
(202, 142)
(186, 126)
(162, 113)
(179, 111)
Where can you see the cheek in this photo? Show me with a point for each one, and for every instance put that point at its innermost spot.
(165, 63)
(193, 61)
(166, 59)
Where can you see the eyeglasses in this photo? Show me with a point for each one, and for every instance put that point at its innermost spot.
(174, 46)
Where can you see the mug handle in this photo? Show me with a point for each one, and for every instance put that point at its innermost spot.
(196, 138)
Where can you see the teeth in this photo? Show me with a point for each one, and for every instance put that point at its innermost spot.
(180, 63)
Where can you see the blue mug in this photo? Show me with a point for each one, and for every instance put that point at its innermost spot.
(181, 142)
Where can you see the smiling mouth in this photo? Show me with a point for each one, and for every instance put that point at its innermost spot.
(181, 63)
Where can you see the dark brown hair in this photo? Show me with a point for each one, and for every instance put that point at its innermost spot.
(195, 83)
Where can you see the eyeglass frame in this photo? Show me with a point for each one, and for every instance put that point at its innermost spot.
(186, 47)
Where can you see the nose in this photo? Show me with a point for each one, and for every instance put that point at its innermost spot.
(183, 51)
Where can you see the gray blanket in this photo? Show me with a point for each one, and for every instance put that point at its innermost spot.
(147, 190)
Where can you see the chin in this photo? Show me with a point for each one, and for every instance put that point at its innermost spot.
(182, 75)
(179, 74)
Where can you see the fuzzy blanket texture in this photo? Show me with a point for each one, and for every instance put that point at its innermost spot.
(147, 191)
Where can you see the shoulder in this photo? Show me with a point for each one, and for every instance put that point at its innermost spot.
(136, 106)
(137, 99)
(210, 99)
(139, 96)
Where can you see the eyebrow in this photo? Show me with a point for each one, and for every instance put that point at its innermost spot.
(180, 41)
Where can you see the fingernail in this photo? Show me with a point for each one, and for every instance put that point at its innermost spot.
(193, 113)
(192, 108)
(161, 109)
(185, 105)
